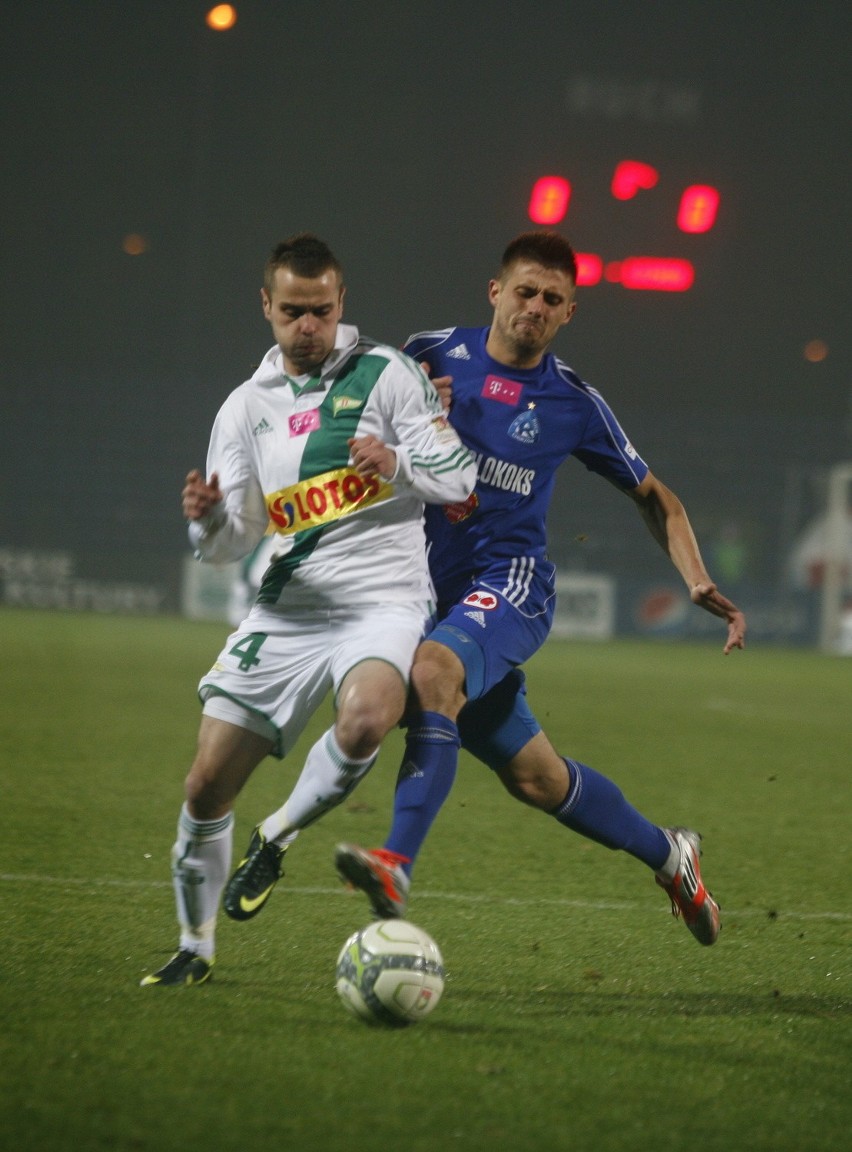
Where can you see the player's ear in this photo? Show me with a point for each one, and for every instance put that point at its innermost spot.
(340, 300)
(493, 291)
(572, 308)
(266, 302)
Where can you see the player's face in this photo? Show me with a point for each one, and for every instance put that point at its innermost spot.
(531, 303)
(304, 314)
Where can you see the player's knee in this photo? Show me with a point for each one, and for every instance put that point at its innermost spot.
(205, 796)
(437, 680)
(528, 791)
(544, 790)
(539, 793)
(360, 730)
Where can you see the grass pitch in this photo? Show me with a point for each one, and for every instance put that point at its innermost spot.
(577, 1013)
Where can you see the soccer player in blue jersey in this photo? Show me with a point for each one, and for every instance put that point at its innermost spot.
(523, 412)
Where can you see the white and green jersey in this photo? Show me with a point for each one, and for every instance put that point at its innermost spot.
(280, 448)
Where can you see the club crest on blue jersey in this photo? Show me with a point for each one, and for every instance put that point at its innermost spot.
(525, 427)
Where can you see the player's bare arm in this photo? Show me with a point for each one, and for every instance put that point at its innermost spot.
(667, 521)
(200, 495)
(372, 457)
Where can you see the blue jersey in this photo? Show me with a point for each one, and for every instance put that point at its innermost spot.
(521, 424)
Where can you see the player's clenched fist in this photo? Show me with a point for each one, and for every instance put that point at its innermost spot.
(200, 495)
(372, 456)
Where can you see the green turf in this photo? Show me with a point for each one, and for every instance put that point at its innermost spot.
(577, 1013)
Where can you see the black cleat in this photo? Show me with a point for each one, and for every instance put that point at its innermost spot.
(257, 874)
(184, 968)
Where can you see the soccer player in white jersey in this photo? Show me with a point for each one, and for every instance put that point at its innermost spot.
(334, 444)
(522, 412)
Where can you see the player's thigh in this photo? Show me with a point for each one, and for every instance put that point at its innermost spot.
(371, 667)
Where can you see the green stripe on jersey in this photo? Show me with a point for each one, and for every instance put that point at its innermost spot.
(326, 448)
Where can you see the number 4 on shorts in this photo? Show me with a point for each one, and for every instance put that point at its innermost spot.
(247, 650)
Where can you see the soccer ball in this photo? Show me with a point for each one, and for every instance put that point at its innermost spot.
(390, 972)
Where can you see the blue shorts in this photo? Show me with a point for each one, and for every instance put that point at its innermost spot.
(498, 623)
(496, 727)
(493, 627)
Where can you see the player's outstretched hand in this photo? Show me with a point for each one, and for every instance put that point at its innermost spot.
(372, 457)
(200, 495)
(709, 597)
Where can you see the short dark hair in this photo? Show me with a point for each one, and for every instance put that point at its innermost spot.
(305, 255)
(550, 249)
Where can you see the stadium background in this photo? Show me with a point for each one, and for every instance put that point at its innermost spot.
(409, 136)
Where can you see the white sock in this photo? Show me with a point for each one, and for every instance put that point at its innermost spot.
(201, 863)
(326, 779)
(668, 870)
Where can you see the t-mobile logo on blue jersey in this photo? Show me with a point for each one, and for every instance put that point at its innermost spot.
(506, 391)
(505, 475)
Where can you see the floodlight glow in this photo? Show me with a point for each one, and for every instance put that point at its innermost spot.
(222, 17)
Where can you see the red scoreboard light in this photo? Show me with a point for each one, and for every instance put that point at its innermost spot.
(589, 268)
(631, 175)
(664, 275)
(698, 207)
(696, 213)
(549, 200)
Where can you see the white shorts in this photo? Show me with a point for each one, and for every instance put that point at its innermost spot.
(275, 671)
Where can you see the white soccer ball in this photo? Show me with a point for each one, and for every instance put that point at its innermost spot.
(390, 972)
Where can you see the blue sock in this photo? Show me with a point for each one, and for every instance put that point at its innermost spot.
(425, 779)
(596, 808)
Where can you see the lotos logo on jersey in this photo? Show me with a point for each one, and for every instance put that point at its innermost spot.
(506, 391)
(485, 600)
(323, 499)
(455, 513)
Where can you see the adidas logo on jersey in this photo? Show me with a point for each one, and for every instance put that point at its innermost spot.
(263, 426)
(460, 352)
(477, 617)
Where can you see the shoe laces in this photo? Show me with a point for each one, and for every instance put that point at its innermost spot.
(180, 960)
(266, 865)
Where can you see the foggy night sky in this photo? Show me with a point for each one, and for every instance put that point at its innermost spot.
(409, 137)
